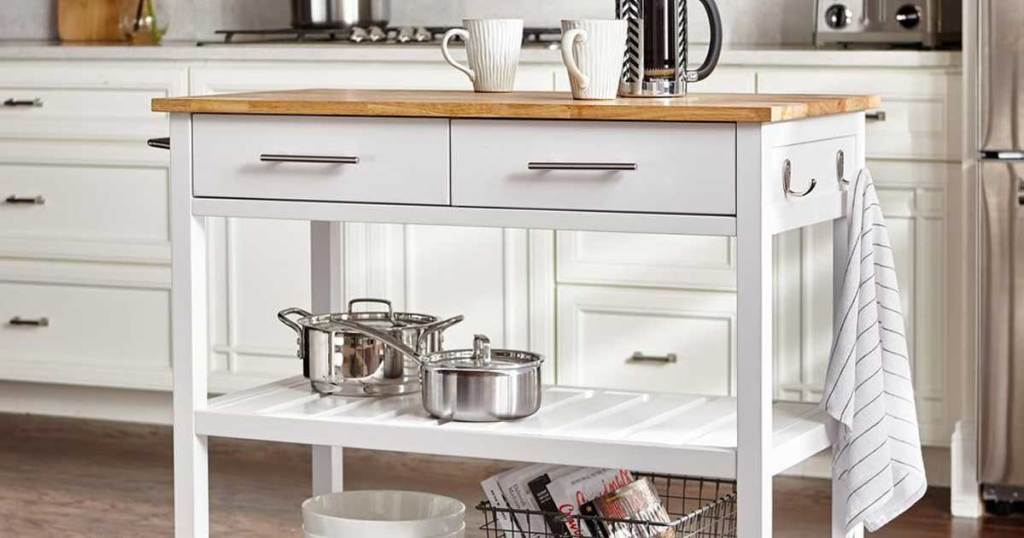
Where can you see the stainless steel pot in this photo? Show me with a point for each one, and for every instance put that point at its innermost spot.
(340, 13)
(474, 385)
(337, 360)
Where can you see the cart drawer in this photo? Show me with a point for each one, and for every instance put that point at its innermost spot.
(377, 160)
(601, 166)
(812, 163)
(79, 325)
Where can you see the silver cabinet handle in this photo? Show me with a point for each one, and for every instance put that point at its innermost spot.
(159, 143)
(18, 321)
(599, 167)
(35, 103)
(787, 178)
(314, 159)
(24, 200)
(841, 168)
(877, 115)
(637, 356)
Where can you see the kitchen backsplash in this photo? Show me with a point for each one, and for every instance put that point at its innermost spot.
(755, 22)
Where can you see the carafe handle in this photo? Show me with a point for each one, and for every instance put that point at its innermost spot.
(714, 43)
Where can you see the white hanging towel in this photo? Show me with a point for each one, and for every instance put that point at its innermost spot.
(869, 396)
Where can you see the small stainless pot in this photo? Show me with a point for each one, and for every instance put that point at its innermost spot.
(337, 360)
(308, 14)
(474, 385)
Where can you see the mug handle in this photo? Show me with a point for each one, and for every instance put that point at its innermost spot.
(568, 40)
(464, 34)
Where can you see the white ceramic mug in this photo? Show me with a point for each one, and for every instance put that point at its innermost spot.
(593, 51)
(493, 47)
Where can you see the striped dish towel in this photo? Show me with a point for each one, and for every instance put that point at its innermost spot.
(868, 394)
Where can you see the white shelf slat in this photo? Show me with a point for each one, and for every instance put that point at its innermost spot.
(669, 433)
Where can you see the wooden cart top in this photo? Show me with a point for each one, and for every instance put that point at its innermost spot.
(723, 107)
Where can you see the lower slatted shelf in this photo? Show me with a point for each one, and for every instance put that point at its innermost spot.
(649, 432)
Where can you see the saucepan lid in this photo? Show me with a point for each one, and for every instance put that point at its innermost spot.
(483, 358)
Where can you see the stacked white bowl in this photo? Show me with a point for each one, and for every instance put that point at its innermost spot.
(373, 513)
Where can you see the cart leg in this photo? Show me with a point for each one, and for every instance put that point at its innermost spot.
(326, 280)
(754, 346)
(188, 340)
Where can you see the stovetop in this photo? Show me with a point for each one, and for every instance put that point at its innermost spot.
(390, 36)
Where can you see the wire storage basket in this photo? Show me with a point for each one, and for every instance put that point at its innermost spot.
(699, 508)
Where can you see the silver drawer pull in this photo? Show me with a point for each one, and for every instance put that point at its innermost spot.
(598, 167)
(637, 356)
(841, 167)
(314, 159)
(24, 200)
(878, 115)
(787, 178)
(34, 103)
(18, 321)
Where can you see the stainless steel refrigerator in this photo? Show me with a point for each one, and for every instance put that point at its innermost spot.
(999, 110)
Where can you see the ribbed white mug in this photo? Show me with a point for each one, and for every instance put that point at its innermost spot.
(593, 51)
(493, 47)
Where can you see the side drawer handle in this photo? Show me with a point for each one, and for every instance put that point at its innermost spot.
(877, 115)
(35, 103)
(314, 159)
(18, 321)
(787, 178)
(637, 356)
(159, 143)
(598, 167)
(24, 200)
(841, 167)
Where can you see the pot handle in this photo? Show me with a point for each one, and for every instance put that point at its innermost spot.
(377, 334)
(439, 326)
(283, 316)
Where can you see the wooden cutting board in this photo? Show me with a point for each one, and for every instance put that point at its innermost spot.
(93, 20)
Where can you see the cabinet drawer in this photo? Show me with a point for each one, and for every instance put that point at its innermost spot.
(91, 204)
(517, 164)
(658, 340)
(84, 100)
(85, 326)
(382, 160)
(811, 163)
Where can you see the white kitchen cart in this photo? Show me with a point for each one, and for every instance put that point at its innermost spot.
(731, 165)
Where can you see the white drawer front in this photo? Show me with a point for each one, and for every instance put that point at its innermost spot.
(921, 116)
(601, 329)
(400, 161)
(92, 204)
(810, 163)
(101, 327)
(85, 100)
(491, 166)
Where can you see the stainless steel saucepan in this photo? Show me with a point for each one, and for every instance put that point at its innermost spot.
(338, 360)
(473, 385)
(308, 14)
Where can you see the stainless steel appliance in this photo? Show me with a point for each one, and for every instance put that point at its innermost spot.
(340, 13)
(999, 123)
(371, 35)
(337, 360)
(924, 23)
(657, 47)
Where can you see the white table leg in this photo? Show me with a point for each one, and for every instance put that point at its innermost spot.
(754, 334)
(189, 341)
(326, 279)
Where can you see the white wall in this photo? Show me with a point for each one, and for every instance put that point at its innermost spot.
(757, 22)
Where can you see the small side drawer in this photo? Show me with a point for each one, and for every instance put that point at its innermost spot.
(375, 160)
(813, 169)
(93, 204)
(597, 166)
(79, 325)
(648, 340)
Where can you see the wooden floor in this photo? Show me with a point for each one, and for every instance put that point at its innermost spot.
(63, 477)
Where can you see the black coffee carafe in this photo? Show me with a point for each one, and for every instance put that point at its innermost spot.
(657, 45)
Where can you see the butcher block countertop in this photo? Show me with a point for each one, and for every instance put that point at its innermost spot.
(732, 108)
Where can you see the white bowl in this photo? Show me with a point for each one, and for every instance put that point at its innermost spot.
(458, 533)
(371, 513)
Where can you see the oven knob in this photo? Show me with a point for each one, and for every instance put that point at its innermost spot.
(909, 16)
(838, 16)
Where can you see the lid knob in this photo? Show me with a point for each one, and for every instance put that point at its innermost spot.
(481, 350)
